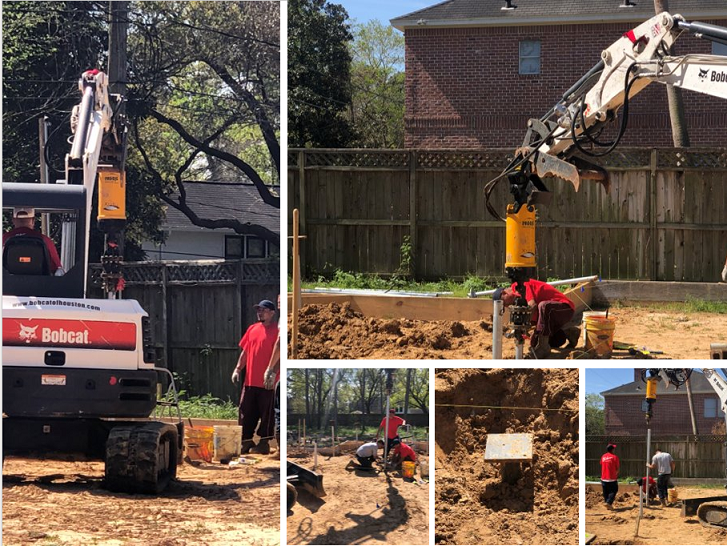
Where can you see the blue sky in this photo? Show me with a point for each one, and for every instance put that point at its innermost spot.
(383, 10)
(602, 379)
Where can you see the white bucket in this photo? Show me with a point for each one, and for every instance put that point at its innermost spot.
(587, 314)
(227, 441)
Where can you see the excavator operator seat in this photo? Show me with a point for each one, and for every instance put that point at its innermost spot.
(26, 255)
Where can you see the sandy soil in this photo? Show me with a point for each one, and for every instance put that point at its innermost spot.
(658, 526)
(473, 504)
(359, 508)
(63, 503)
(338, 332)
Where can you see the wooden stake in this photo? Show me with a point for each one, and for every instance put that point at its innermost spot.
(296, 282)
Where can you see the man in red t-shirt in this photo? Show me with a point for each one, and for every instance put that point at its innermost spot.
(393, 432)
(402, 452)
(610, 465)
(24, 224)
(551, 310)
(257, 401)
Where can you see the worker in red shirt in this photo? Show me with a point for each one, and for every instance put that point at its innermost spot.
(24, 224)
(393, 432)
(551, 311)
(401, 453)
(609, 475)
(257, 400)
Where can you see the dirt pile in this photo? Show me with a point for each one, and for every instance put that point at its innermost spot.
(473, 504)
(338, 331)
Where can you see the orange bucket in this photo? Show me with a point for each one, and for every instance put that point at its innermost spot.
(407, 469)
(198, 442)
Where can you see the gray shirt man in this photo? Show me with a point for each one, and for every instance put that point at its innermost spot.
(367, 450)
(662, 463)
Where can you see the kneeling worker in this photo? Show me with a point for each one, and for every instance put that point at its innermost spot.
(401, 453)
(366, 455)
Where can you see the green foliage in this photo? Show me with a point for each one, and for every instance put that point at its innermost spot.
(319, 65)
(207, 407)
(595, 419)
(377, 80)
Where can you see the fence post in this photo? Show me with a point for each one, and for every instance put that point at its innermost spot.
(237, 309)
(302, 208)
(165, 315)
(413, 210)
(653, 231)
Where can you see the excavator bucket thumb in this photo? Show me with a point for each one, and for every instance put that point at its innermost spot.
(574, 170)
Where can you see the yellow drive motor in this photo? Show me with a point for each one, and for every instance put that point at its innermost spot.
(520, 237)
(111, 200)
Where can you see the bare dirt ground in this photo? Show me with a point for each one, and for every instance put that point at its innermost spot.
(338, 332)
(360, 507)
(473, 504)
(63, 503)
(658, 526)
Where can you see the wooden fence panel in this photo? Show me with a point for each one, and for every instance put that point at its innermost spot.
(665, 217)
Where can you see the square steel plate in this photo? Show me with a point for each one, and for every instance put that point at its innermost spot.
(509, 447)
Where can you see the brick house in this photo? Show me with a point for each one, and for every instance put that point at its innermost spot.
(623, 414)
(476, 70)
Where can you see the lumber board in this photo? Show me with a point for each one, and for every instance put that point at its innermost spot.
(607, 292)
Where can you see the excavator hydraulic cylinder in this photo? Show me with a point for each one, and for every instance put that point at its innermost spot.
(651, 385)
(520, 237)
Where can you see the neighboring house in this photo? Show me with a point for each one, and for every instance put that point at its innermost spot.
(624, 416)
(217, 200)
(476, 70)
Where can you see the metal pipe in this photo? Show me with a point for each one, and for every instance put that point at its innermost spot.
(519, 351)
(386, 432)
(553, 283)
(497, 308)
(648, 458)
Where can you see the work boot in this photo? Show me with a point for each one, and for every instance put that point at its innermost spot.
(663, 503)
(609, 506)
(542, 349)
(263, 448)
(247, 445)
(574, 335)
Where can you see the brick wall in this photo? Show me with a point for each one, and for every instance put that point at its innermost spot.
(463, 89)
(623, 415)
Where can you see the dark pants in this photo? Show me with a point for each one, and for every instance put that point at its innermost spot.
(609, 491)
(365, 462)
(390, 441)
(552, 316)
(257, 404)
(662, 485)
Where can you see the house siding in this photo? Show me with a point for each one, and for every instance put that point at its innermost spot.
(623, 415)
(463, 89)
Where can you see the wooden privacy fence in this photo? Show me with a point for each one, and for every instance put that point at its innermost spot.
(695, 456)
(665, 217)
(357, 420)
(199, 311)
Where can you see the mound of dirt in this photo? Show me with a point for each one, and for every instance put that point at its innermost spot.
(473, 504)
(338, 331)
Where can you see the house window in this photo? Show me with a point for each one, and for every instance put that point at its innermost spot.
(719, 49)
(255, 247)
(530, 57)
(712, 409)
(243, 246)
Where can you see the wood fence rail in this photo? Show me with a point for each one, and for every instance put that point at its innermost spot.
(665, 217)
(695, 456)
(199, 311)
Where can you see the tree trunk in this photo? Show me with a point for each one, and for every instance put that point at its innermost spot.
(679, 132)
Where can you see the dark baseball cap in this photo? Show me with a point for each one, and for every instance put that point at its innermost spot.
(610, 446)
(265, 304)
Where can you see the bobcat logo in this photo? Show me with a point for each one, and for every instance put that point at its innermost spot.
(703, 73)
(27, 333)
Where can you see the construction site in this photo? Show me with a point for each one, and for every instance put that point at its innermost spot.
(506, 456)
(655, 459)
(344, 487)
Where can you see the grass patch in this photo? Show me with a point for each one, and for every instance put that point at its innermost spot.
(349, 433)
(691, 305)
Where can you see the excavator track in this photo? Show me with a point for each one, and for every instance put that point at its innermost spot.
(713, 514)
(141, 458)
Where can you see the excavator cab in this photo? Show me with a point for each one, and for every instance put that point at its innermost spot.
(26, 261)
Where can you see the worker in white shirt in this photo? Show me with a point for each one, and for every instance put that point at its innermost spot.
(366, 455)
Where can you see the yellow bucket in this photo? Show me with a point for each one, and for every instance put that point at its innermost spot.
(672, 495)
(407, 469)
(599, 335)
(198, 443)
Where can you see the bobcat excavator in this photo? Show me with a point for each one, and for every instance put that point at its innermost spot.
(79, 374)
(711, 513)
(558, 143)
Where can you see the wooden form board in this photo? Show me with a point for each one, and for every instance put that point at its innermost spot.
(421, 308)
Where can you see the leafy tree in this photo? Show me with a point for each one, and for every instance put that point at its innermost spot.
(377, 80)
(319, 65)
(595, 419)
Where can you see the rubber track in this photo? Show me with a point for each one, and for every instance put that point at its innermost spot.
(132, 458)
(713, 514)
